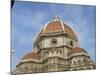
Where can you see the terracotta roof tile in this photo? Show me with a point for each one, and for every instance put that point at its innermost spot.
(31, 55)
(69, 31)
(76, 50)
(53, 27)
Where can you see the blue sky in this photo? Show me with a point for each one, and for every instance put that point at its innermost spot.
(29, 17)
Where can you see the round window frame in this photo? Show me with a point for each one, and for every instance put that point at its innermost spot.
(53, 41)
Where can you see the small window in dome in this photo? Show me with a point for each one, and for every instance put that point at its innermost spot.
(54, 42)
(71, 43)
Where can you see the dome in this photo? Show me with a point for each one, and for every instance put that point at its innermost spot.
(76, 50)
(31, 55)
(57, 26)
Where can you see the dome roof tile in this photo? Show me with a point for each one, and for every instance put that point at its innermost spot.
(76, 50)
(31, 55)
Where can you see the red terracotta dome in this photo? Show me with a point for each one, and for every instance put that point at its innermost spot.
(76, 50)
(57, 26)
(53, 27)
(31, 55)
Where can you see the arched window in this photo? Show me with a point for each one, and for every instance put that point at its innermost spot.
(73, 61)
(71, 43)
(59, 52)
(52, 52)
(79, 62)
(26, 68)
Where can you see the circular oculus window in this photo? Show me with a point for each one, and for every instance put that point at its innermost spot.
(54, 42)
